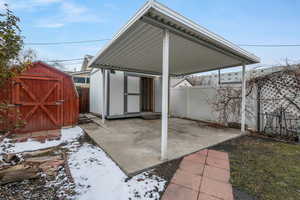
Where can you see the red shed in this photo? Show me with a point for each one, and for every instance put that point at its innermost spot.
(46, 98)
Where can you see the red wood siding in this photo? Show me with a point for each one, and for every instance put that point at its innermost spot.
(71, 101)
(46, 98)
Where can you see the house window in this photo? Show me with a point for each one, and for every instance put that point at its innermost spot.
(79, 79)
(87, 80)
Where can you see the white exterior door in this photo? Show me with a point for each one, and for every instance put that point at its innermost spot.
(132, 94)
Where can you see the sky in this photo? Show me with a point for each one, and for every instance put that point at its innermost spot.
(239, 21)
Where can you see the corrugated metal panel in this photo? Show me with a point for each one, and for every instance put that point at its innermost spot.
(138, 46)
(116, 100)
(96, 91)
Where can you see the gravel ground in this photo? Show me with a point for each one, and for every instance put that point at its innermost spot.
(167, 170)
(38, 189)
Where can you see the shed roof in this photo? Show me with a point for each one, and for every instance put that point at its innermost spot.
(138, 45)
(53, 69)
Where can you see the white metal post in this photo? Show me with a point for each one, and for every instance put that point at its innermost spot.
(103, 95)
(169, 96)
(165, 94)
(243, 108)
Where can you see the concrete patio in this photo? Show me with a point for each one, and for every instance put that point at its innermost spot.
(134, 144)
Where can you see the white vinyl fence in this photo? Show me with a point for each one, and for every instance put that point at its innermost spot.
(196, 103)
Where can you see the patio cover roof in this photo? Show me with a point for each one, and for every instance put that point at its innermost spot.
(138, 45)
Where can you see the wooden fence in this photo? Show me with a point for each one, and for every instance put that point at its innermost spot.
(84, 99)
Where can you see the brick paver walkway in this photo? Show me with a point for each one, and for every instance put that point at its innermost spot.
(201, 176)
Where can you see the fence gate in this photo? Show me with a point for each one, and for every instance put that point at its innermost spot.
(84, 99)
(39, 100)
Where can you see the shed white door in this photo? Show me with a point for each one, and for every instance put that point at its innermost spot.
(132, 94)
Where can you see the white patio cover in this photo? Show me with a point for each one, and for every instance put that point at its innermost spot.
(157, 40)
(137, 46)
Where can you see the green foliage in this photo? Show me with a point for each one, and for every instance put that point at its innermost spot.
(11, 44)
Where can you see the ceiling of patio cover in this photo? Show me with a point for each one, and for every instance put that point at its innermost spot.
(137, 47)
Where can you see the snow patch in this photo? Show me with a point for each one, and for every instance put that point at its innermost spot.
(97, 176)
(68, 135)
(146, 186)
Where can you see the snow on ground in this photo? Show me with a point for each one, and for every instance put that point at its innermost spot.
(145, 186)
(68, 135)
(95, 175)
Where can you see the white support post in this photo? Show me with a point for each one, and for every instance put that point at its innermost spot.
(243, 108)
(103, 95)
(165, 95)
(169, 96)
